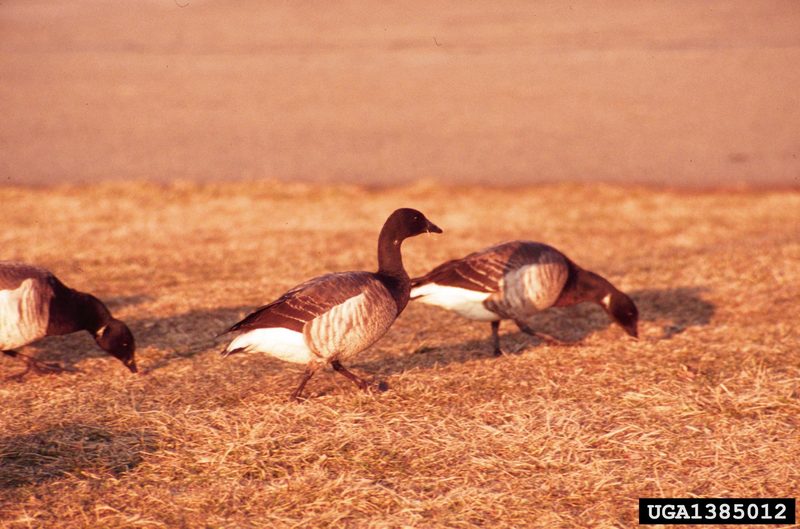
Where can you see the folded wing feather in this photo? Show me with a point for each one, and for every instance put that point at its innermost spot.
(305, 302)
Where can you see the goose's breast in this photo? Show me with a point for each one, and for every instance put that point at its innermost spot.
(352, 326)
(24, 313)
(530, 288)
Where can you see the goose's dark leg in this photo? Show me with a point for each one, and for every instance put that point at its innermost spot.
(496, 338)
(309, 372)
(552, 340)
(355, 379)
(42, 368)
(19, 376)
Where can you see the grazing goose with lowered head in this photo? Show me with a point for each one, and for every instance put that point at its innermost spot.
(34, 303)
(332, 317)
(513, 281)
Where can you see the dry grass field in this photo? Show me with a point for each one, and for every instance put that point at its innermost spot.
(706, 403)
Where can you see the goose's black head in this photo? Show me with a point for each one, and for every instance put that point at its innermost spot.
(117, 340)
(622, 310)
(407, 222)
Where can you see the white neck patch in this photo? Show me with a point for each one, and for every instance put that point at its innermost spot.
(606, 301)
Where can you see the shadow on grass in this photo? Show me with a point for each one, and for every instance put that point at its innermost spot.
(181, 336)
(679, 309)
(31, 459)
(118, 302)
(682, 307)
(186, 335)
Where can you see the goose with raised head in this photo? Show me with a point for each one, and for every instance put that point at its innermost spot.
(516, 279)
(34, 304)
(331, 318)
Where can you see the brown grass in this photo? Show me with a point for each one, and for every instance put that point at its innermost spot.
(705, 404)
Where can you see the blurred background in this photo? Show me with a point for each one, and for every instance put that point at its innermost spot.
(686, 94)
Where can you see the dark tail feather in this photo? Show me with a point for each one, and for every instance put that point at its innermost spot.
(225, 353)
(418, 281)
(235, 327)
(223, 333)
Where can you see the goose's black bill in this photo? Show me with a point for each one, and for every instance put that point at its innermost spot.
(131, 364)
(433, 228)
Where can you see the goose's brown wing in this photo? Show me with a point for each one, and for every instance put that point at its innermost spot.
(479, 274)
(482, 271)
(308, 301)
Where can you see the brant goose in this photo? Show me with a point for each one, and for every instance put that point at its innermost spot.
(34, 303)
(332, 317)
(514, 280)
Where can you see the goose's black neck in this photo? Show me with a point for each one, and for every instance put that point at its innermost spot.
(583, 285)
(390, 260)
(72, 310)
(94, 314)
(391, 271)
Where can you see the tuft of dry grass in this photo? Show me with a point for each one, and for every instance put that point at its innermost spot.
(706, 403)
